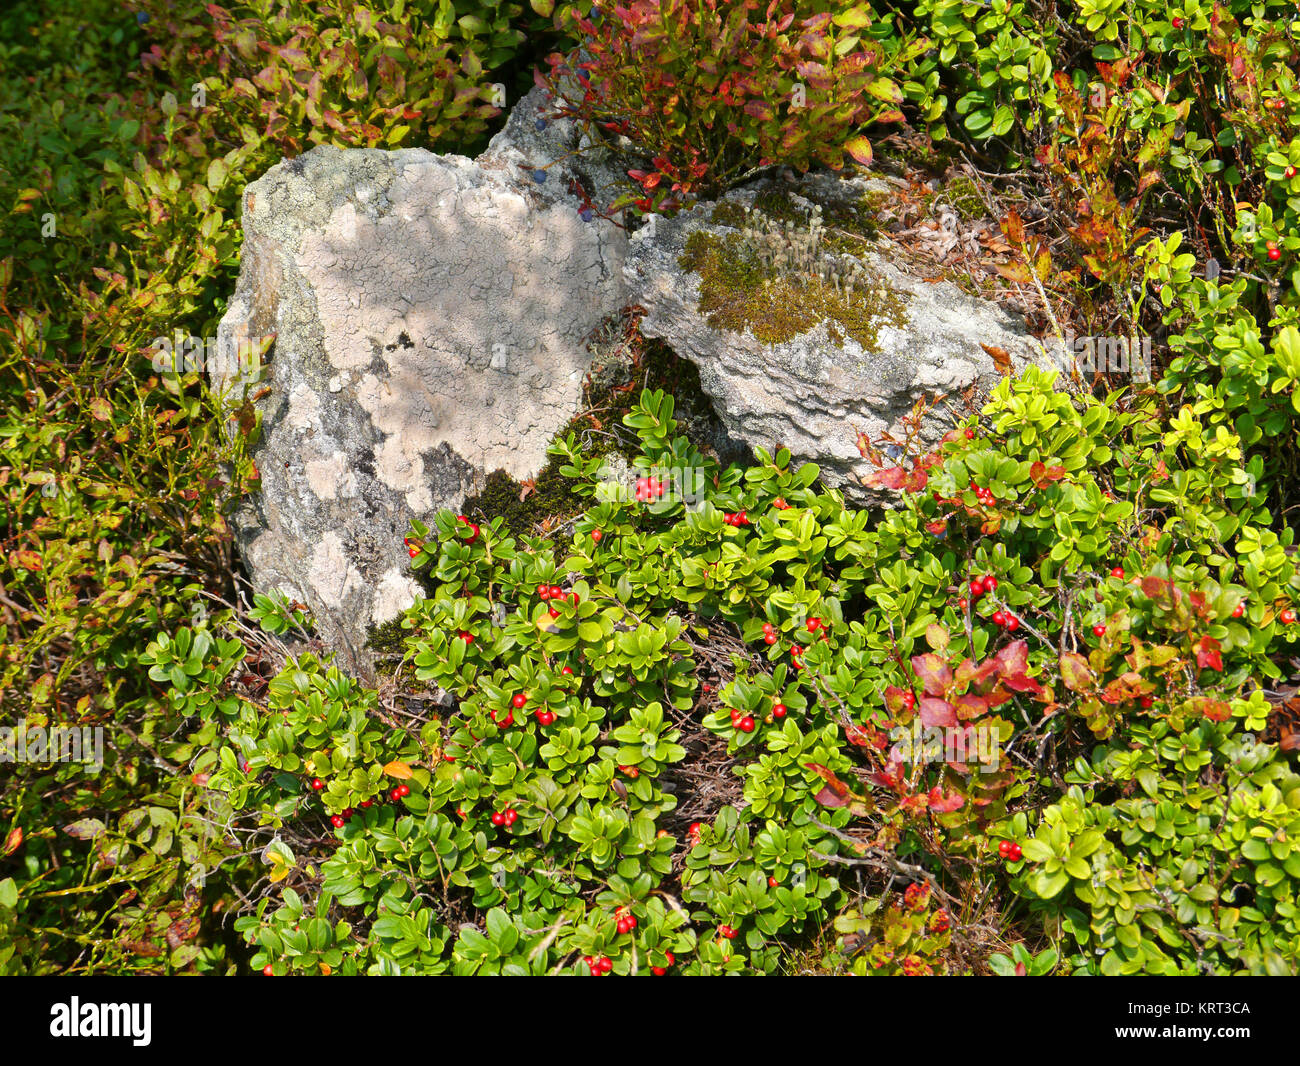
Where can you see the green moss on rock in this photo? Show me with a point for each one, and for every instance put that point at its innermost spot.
(740, 291)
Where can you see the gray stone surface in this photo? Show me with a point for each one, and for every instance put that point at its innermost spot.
(808, 394)
(430, 314)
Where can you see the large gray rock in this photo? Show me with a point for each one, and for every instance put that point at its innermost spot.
(430, 314)
(808, 393)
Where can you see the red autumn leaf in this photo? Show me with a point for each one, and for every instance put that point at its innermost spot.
(1075, 672)
(936, 527)
(1042, 475)
(1158, 589)
(935, 674)
(970, 674)
(894, 699)
(892, 477)
(935, 712)
(970, 706)
(941, 804)
(1012, 662)
(837, 793)
(1207, 654)
(1214, 710)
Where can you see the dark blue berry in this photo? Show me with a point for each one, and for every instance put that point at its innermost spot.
(585, 214)
(142, 17)
(540, 123)
(539, 176)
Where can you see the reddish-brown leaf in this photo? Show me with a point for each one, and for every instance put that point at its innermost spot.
(1075, 672)
(936, 712)
(935, 674)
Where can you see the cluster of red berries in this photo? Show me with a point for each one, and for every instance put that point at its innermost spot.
(648, 488)
(411, 549)
(981, 585)
(740, 518)
(1277, 103)
(659, 971)
(815, 624)
(727, 931)
(1006, 620)
(1009, 850)
(544, 717)
(503, 723)
(625, 923)
(506, 817)
(399, 793)
(693, 833)
(796, 656)
(741, 721)
(1272, 250)
(769, 633)
(985, 496)
(466, 636)
(598, 966)
(473, 528)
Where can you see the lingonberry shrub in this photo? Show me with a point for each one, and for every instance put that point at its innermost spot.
(711, 91)
(921, 735)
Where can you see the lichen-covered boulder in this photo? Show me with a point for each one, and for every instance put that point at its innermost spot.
(805, 333)
(430, 316)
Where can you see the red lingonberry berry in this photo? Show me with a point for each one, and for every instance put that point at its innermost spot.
(336, 820)
(970, 434)
(1287, 617)
(596, 535)
(1239, 610)
(990, 584)
(1099, 630)
(519, 699)
(976, 587)
(1118, 572)
(778, 710)
(999, 618)
(268, 970)
(1147, 702)
(746, 724)
(1013, 623)
(498, 818)
(317, 784)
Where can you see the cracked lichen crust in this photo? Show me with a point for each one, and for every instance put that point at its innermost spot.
(430, 314)
(810, 381)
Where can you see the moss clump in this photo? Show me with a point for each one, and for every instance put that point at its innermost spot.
(728, 213)
(965, 198)
(778, 282)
